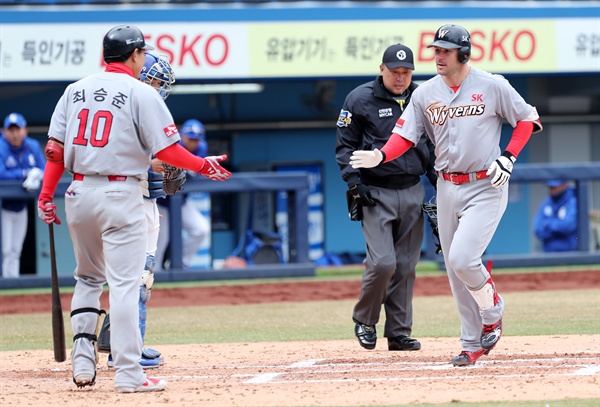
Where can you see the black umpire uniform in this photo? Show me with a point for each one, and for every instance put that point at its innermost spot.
(393, 226)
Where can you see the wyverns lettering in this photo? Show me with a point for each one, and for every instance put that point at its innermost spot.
(439, 114)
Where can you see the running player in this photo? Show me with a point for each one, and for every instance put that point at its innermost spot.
(461, 109)
(104, 203)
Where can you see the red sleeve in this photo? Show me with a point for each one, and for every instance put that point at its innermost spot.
(395, 147)
(52, 174)
(519, 138)
(178, 156)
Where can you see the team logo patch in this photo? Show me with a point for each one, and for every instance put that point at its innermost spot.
(344, 119)
(170, 130)
(387, 112)
(400, 123)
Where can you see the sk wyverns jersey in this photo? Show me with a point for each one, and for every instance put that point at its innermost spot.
(110, 124)
(464, 126)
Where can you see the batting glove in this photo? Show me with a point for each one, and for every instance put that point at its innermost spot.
(47, 210)
(213, 170)
(366, 159)
(501, 168)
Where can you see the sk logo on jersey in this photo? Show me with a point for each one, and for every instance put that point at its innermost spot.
(344, 119)
(170, 130)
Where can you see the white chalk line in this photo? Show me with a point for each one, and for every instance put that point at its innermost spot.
(585, 366)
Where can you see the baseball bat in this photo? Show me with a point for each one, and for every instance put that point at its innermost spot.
(58, 324)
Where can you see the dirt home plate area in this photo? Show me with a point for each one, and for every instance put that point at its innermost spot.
(323, 373)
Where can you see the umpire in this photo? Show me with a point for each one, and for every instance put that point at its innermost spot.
(387, 199)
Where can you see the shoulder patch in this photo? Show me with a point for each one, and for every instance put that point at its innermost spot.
(344, 119)
(170, 130)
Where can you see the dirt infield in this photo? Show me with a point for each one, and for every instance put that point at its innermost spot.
(321, 373)
(329, 373)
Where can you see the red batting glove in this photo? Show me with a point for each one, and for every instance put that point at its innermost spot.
(47, 210)
(213, 170)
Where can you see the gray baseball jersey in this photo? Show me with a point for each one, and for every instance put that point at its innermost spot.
(110, 124)
(465, 127)
(104, 128)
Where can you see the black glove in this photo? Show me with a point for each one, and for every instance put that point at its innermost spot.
(361, 194)
(355, 196)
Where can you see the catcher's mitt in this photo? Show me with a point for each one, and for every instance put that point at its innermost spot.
(430, 208)
(173, 178)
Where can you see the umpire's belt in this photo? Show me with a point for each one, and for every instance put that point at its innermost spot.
(111, 178)
(458, 178)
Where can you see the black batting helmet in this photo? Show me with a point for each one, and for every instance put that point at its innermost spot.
(451, 36)
(122, 40)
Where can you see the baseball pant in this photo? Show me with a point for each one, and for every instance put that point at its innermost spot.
(14, 229)
(393, 230)
(468, 216)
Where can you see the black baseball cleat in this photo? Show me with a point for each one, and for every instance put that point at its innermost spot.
(491, 334)
(366, 334)
(403, 342)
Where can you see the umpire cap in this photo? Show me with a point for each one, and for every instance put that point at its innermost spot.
(121, 40)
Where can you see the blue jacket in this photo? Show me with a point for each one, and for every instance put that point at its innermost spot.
(555, 223)
(15, 162)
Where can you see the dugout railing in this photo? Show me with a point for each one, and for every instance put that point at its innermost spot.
(294, 183)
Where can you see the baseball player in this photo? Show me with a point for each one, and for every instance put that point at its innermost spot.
(103, 131)
(461, 109)
(158, 73)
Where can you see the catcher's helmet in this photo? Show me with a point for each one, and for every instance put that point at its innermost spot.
(157, 72)
(121, 40)
(451, 36)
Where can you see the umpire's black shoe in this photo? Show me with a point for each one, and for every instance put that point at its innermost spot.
(403, 342)
(366, 334)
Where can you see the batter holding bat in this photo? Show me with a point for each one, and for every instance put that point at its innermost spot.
(461, 109)
(103, 131)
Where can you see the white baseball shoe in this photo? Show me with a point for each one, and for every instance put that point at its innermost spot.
(150, 384)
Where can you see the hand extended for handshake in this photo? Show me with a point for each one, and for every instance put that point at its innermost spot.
(366, 159)
(213, 170)
(501, 168)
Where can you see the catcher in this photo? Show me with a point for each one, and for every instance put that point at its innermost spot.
(163, 179)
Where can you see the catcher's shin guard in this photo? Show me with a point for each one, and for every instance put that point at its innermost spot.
(146, 291)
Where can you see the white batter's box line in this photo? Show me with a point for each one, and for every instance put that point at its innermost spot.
(430, 378)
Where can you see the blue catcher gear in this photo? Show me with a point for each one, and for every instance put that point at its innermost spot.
(157, 72)
(155, 186)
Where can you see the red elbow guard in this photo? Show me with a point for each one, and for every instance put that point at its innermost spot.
(55, 151)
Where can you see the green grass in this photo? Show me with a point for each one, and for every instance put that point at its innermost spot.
(527, 313)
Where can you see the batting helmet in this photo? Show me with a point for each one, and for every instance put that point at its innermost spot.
(452, 36)
(121, 41)
(157, 72)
